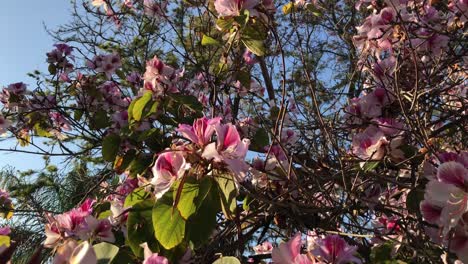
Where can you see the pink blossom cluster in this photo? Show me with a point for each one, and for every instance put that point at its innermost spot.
(106, 64)
(160, 78)
(228, 151)
(424, 30)
(445, 201)
(77, 223)
(329, 249)
(232, 8)
(60, 58)
(154, 8)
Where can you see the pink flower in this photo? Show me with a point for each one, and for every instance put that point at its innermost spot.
(17, 88)
(4, 124)
(101, 229)
(389, 126)
(201, 131)
(369, 144)
(229, 149)
(106, 64)
(73, 253)
(5, 231)
(249, 57)
(229, 8)
(169, 167)
(446, 193)
(289, 253)
(263, 248)
(153, 8)
(159, 76)
(152, 258)
(334, 249)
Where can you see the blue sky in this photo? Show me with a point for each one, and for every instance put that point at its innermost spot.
(23, 46)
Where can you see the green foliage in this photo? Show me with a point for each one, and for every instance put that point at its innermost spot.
(209, 41)
(190, 195)
(228, 193)
(200, 226)
(140, 227)
(110, 147)
(169, 225)
(227, 260)
(105, 252)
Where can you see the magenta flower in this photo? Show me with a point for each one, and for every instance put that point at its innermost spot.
(229, 8)
(5, 231)
(153, 8)
(94, 228)
(446, 193)
(106, 64)
(152, 258)
(201, 131)
(73, 253)
(4, 124)
(158, 76)
(229, 149)
(389, 126)
(290, 252)
(334, 249)
(264, 248)
(169, 167)
(369, 144)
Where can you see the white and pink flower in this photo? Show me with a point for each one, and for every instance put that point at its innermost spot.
(229, 149)
(169, 167)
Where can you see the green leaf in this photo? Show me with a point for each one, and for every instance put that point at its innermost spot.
(105, 252)
(52, 69)
(189, 101)
(192, 195)
(104, 214)
(140, 227)
(413, 200)
(253, 40)
(136, 196)
(200, 226)
(41, 130)
(288, 8)
(227, 260)
(260, 140)
(140, 104)
(225, 24)
(122, 163)
(228, 193)
(169, 226)
(110, 147)
(315, 11)
(100, 120)
(77, 115)
(383, 255)
(370, 165)
(255, 46)
(140, 164)
(246, 203)
(209, 41)
(4, 241)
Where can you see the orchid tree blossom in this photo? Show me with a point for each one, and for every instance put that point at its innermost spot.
(229, 8)
(290, 252)
(369, 144)
(334, 249)
(446, 198)
(73, 253)
(201, 131)
(229, 149)
(169, 167)
(152, 258)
